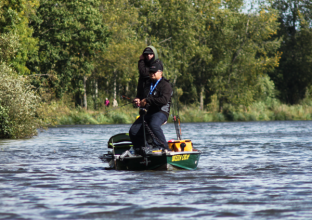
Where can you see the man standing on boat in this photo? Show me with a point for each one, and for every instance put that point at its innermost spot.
(148, 57)
(155, 96)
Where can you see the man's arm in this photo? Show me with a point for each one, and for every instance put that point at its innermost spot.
(143, 75)
(143, 70)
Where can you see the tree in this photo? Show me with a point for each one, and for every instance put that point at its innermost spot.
(18, 102)
(211, 47)
(14, 19)
(71, 33)
(294, 75)
(243, 50)
(118, 65)
(18, 105)
(171, 26)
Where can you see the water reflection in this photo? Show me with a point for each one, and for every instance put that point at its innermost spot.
(253, 170)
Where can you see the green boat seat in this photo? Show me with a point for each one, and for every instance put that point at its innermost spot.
(119, 140)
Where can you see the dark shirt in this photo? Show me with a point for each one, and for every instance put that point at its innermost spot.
(144, 75)
(160, 99)
(143, 67)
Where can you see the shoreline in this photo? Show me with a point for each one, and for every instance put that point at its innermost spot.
(187, 115)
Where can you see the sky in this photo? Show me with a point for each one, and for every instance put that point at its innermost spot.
(249, 4)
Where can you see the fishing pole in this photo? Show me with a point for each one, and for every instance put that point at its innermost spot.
(176, 118)
(127, 99)
(121, 106)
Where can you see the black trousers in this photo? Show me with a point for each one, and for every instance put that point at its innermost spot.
(154, 121)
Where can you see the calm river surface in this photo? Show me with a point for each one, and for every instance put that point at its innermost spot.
(248, 170)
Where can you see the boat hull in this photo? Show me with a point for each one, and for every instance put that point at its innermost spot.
(168, 161)
(120, 157)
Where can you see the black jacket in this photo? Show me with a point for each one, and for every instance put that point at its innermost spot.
(160, 99)
(143, 67)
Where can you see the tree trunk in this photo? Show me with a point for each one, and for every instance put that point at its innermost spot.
(96, 94)
(221, 104)
(115, 87)
(202, 90)
(85, 105)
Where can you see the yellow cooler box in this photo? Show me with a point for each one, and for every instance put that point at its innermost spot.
(180, 145)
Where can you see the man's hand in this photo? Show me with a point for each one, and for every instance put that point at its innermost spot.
(137, 102)
(143, 103)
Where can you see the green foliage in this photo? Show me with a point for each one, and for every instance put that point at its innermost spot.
(172, 27)
(242, 51)
(14, 20)
(18, 102)
(18, 106)
(307, 97)
(71, 33)
(224, 64)
(119, 118)
(8, 47)
(294, 74)
(75, 117)
(212, 48)
(118, 64)
(257, 111)
(6, 125)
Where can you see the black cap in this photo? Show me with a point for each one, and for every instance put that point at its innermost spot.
(148, 51)
(155, 67)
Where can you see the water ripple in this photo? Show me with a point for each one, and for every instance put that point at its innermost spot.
(248, 170)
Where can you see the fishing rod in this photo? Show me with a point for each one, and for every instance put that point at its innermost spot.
(126, 97)
(123, 97)
(176, 117)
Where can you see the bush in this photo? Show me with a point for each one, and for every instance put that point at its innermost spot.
(218, 117)
(127, 114)
(102, 119)
(6, 127)
(119, 118)
(18, 106)
(77, 118)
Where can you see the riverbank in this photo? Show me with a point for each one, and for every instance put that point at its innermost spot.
(62, 115)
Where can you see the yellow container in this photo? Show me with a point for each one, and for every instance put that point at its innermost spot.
(180, 145)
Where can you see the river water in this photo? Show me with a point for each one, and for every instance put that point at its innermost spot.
(248, 170)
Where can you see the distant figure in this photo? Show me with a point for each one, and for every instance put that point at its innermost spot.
(115, 103)
(106, 102)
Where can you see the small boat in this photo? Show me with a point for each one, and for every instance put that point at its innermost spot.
(182, 155)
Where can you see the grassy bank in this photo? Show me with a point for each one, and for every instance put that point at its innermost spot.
(62, 115)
